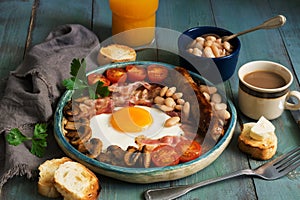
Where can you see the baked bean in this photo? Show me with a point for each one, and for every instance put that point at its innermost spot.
(210, 46)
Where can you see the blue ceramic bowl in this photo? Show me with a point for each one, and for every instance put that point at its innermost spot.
(213, 69)
(142, 175)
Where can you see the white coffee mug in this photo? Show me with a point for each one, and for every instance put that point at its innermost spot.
(255, 101)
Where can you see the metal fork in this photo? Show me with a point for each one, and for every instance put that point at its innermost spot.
(272, 170)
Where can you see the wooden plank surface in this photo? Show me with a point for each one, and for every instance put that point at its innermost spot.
(264, 45)
(13, 35)
(280, 45)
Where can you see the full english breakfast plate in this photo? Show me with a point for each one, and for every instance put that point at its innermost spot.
(145, 122)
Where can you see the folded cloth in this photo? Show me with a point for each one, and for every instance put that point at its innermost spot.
(32, 92)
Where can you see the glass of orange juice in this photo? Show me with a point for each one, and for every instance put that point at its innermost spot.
(133, 21)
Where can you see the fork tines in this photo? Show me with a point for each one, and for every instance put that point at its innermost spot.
(288, 162)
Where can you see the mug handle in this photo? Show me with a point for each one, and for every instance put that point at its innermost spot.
(293, 106)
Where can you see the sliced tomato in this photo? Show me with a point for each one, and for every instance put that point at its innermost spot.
(157, 73)
(164, 155)
(188, 150)
(116, 75)
(135, 73)
(94, 78)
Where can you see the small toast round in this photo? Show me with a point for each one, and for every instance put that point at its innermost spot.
(261, 150)
(74, 181)
(116, 53)
(46, 177)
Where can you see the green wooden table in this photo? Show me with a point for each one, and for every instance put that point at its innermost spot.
(24, 23)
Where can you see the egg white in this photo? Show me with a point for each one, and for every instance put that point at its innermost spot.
(102, 129)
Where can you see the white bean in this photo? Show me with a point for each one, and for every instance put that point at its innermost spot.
(215, 50)
(208, 89)
(199, 47)
(193, 44)
(165, 108)
(226, 45)
(190, 50)
(180, 101)
(208, 52)
(186, 110)
(208, 43)
(172, 121)
(170, 102)
(170, 91)
(163, 91)
(211, 37)
(206, 95)
(227, 115)
(200, 40)
(177, 95)
(220, 106)
(216, 98)
(159, 100)
(178, 107)
(197, 52)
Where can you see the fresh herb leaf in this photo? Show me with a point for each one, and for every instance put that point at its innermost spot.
(38, 148)
(79, 82)
(38, 140)
(102, 90)
(68, 83)
(15, 137)
(75, 66)
(40, 131)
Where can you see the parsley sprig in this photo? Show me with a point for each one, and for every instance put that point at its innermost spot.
(78, 81)
(38, 139)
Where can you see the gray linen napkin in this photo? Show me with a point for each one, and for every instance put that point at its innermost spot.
(32, 92)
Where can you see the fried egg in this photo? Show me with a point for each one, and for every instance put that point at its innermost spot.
(126, 123)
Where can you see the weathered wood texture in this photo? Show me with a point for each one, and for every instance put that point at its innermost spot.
(24, 23)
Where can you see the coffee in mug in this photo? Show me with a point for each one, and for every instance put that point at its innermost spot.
(264, 90)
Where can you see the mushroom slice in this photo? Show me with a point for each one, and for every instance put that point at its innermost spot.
(91, 148)
(145, 159)
(71, 109)
(70, 126)
(72, 135)
(85, 133)
(116, 151)
(131, 156)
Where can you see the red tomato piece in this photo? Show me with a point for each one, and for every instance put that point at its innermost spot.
(94, 78)
(116, 75)
(188, 150)
(157, 73)
(164, 155)
(135, 73)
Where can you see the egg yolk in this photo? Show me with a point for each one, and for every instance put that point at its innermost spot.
(130, 119)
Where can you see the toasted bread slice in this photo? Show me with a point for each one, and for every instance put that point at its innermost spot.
(116, 53)
(257, 149)
(46, 177)
(76, 182)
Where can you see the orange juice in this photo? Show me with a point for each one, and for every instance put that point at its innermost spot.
(133, 21)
